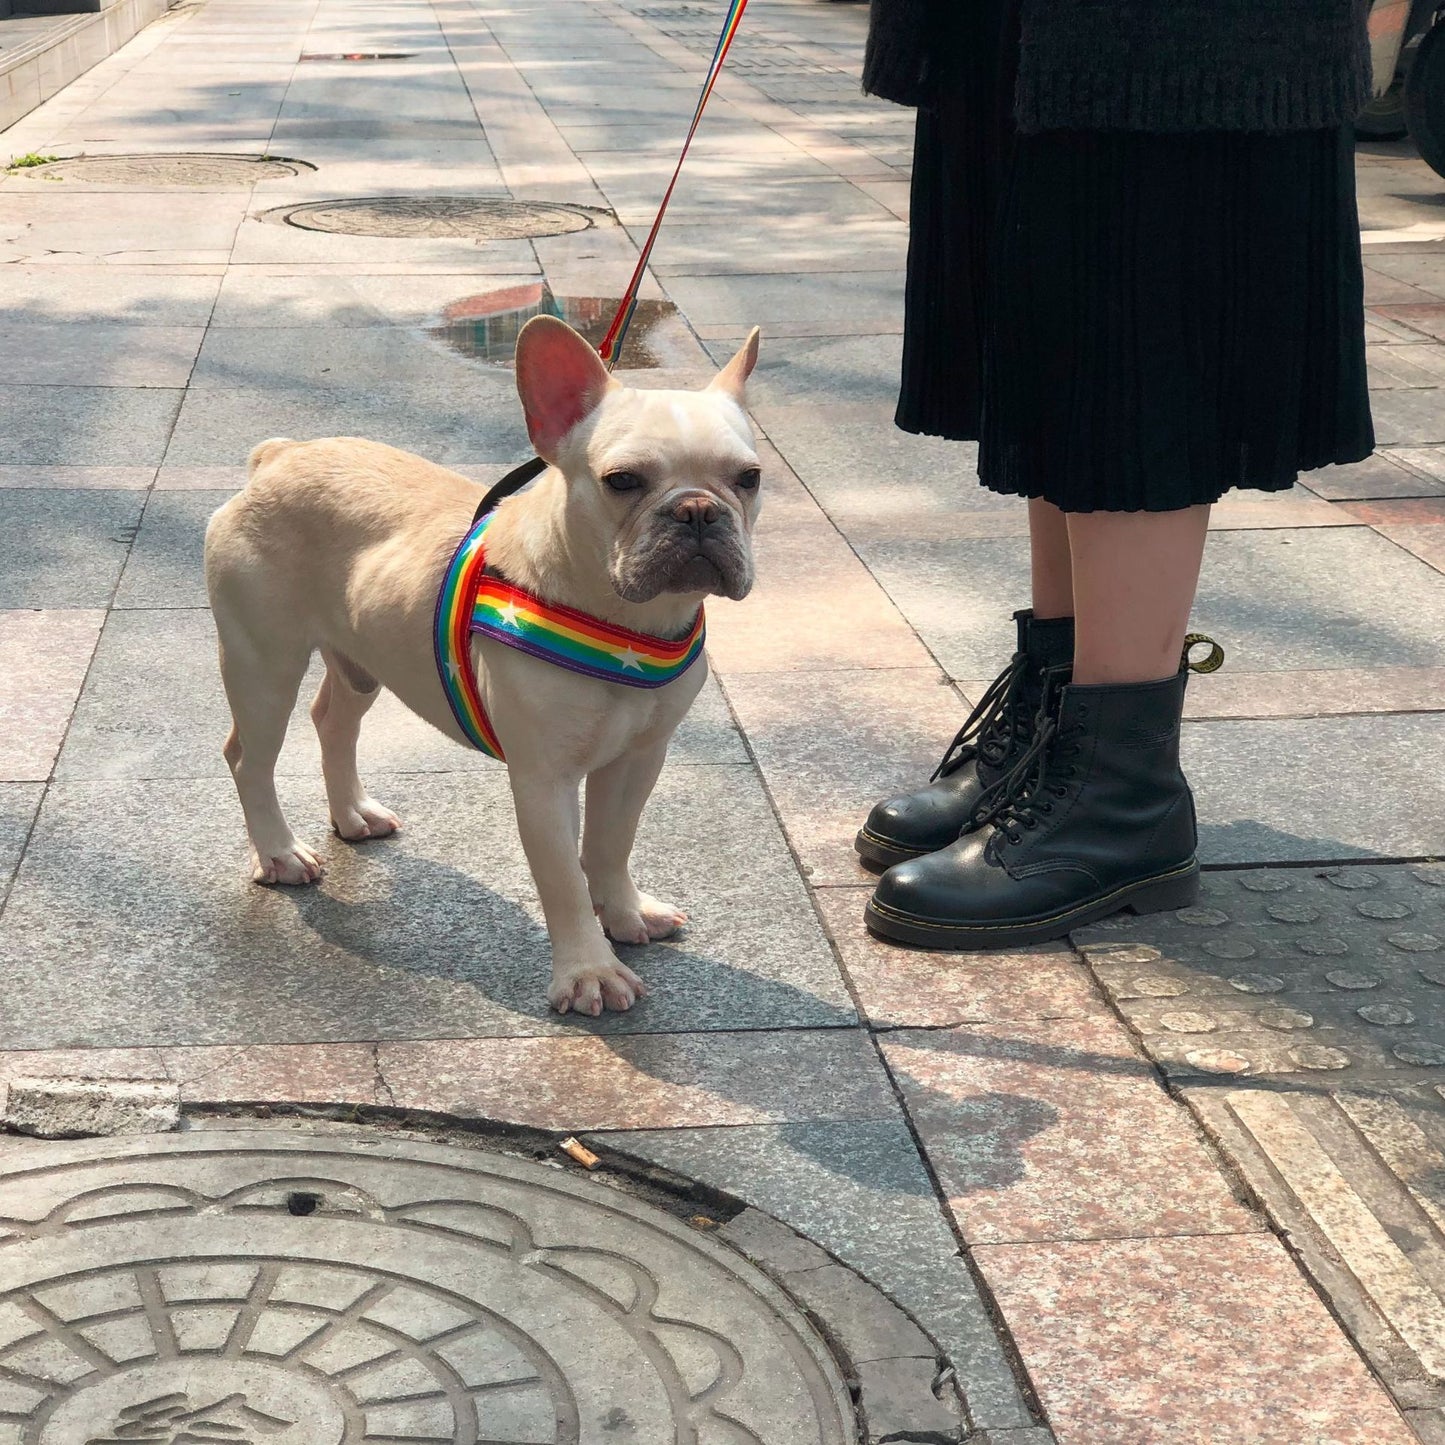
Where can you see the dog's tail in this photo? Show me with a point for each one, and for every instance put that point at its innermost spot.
(265, 453)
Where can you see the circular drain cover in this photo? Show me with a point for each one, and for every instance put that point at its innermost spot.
(172, 170)
(329, 1289)
(470, 217)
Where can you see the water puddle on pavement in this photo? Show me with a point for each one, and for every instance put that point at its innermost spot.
(484, 327)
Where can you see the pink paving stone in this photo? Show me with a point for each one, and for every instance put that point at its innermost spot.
(43, 660)
(1184, 1342)
(903, 987)
(1399, 511)
(203, 479)
(651, 1082)
(276, 1074)
(1427, 543)
(81, 1064)
(1382, 290)
(132, 479)
(1058, 1130)
(831, 744)
(1427, 317)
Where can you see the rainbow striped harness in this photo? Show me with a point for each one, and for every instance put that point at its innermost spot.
(473, 601)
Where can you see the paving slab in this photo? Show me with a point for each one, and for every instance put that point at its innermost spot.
(165, 567)
(67, 230)
(831, 368)
(908, 988)
(1057, 1130)
(1427, 543)
(1270, 598)
(1303, 1013)
(321, 1285)
(839, 617)
(1387, 799)
(861, 1191)
(834, 303)
(1385, 474)
(85, 425)
(44, 657)
(329, 301)
(125, 479)
(1333, 966)
(854, 460)
(1152, 1342)
(18, 805)
(118, 732)
(79, 353)
(468, 421)
(663, 1082)
(64, 549)
(831, 744)
(134, 294)
(433, 933)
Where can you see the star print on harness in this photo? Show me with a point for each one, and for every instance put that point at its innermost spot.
(473, 601)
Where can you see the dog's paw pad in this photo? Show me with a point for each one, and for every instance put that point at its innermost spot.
(295, 866)
(589, 991)
(366, 820)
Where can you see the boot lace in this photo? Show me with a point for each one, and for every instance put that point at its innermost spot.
(1033, 787)
(993, 726)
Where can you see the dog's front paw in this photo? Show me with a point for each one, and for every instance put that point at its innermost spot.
(365, 819)
(588, 988)
(296, 865)
(640, 922)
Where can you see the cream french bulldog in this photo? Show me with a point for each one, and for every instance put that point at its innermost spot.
(647, 507)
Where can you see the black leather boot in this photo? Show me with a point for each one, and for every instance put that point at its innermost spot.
(1096, 817)
(998, 732)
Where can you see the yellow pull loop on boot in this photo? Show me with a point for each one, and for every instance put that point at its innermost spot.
(1212, 661)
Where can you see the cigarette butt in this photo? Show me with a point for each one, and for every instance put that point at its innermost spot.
(580, 1152)
(703, 1221)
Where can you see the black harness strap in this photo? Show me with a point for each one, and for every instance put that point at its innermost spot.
(514, 481)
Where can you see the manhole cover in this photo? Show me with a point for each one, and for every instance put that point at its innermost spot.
(470, 217)
(484, 327)
(278, 1289)
(172, 170)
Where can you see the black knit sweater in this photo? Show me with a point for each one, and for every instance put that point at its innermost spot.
(1150, 65)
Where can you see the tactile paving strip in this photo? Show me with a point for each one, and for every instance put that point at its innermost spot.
(1301, 1012)
(1288, 972)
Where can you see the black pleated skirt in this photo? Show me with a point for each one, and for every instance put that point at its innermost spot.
(1128, 322)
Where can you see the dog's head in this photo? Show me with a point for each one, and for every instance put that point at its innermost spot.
(670, 479)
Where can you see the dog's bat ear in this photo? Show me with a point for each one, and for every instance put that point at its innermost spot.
(733, 378)
(560, 379)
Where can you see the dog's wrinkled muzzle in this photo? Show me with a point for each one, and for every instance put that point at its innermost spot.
(693, 544)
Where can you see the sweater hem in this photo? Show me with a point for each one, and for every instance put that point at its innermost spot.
(1163, 103)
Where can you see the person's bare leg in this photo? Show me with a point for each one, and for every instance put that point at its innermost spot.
(1135, 575)
(1052, 570)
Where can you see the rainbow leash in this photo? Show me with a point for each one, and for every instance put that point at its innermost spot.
(472, 602)
(611, 347)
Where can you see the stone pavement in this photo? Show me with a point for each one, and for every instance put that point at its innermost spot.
(1111, 1183)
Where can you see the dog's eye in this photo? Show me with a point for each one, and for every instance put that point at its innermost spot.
(624, 481)
(750, 479)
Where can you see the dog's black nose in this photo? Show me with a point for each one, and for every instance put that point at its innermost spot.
(698, 512)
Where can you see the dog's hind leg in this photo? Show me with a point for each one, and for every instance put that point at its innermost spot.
(343, 699)
(261, 685)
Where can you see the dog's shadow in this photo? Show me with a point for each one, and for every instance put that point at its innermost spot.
(430, 921)
(495, 949)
